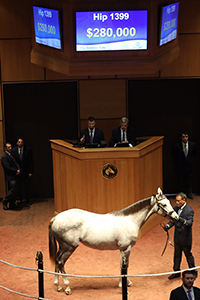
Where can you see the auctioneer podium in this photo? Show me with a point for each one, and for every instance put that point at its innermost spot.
(106, 179)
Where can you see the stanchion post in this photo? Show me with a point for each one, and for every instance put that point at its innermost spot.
(124, 279)
(39, 258)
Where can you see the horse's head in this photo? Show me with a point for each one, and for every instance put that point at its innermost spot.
(164, 207)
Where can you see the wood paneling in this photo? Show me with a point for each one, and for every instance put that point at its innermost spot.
(188, 62)
(1, 113)
(79, 182)
(52, 75)
(189, 16)
(15, 19)
(15, 61)
(102, 98)
(138, 76)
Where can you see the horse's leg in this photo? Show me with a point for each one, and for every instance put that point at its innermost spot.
(63, 257)
(124, 256)
(56, 277)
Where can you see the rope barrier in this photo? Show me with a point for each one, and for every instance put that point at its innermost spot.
(19, 267)
(117, 276)
(123, 276)
(95, 276)
(21, 294)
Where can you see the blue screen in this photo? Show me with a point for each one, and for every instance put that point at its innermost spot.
(169, 23)
(111, 30)
(47, 28)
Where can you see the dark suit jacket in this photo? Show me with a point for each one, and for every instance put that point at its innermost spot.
(26, 165)
(183, 233)
(10, 166)
(184, 164)
(116, 136)
(179, 294)
(98, 135)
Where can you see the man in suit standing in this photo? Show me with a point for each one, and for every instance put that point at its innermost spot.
(12, 173)
(123, 134)
(91, 135)
(187, 290)
(23, 156)
(184, 153)
(182, 233)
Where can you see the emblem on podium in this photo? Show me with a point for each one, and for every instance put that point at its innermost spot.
(109, 171)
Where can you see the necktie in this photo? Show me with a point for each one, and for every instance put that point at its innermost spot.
(189, 295)
(185, 150)
(123, 138)
(20, 154)
(91, 136)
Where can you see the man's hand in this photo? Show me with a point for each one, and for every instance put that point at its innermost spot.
(82, 139)
(166, 227)
(183, 221)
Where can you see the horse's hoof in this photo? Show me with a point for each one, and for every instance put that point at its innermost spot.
(68, 291)
(59, 289)
(130, 284)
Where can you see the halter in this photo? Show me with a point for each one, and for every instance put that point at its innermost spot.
(160, 206)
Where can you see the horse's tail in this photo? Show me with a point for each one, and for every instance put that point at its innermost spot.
(52, 242)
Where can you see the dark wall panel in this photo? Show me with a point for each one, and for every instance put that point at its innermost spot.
(40, 112)
(166, 107)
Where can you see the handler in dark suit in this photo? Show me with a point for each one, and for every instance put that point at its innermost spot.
(184, 153)
(123, 134)
(23, 156)
(187, 290)
(182, 233)
(91, 135)
(12, 172)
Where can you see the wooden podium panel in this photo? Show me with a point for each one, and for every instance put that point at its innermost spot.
(79, 179)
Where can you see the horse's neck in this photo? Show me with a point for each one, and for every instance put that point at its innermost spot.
(142, 216)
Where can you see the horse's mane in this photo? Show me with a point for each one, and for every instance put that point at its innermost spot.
(133, 208)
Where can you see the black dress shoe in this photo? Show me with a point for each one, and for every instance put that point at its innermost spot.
(13, 206)
(175, 275)
(190, 196)
(5, 207)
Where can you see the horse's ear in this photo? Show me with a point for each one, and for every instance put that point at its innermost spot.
(160, 191)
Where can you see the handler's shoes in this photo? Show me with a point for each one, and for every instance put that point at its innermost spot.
(175, 275)
(5, 207)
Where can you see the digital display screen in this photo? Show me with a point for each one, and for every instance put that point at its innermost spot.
(169, 23)
(111, 30)
(47, 27)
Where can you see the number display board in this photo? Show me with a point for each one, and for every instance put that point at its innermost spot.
(169, 22)
(111, 30)
(47, 27)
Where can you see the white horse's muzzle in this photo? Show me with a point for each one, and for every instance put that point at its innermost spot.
(174, 216)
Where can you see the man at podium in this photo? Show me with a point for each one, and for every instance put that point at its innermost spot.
(123, 136)
(91, 134)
